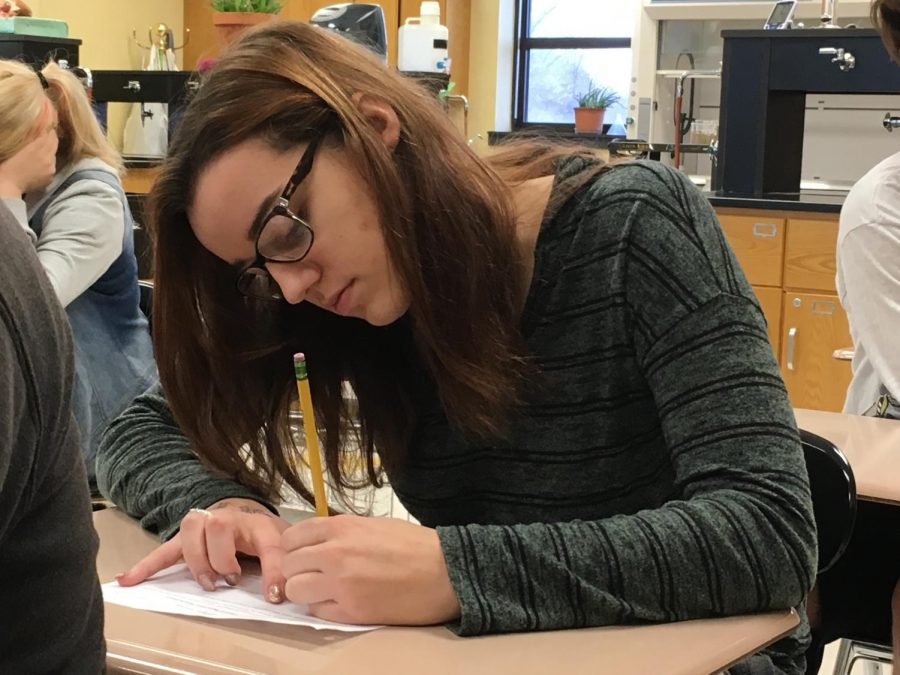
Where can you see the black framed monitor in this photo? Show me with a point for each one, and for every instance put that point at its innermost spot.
(781, 15)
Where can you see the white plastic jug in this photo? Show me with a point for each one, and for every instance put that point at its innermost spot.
(422, 42)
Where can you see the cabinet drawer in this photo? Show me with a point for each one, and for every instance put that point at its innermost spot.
(758, 243)
(770, 300)
(141, 86)
(809, 258)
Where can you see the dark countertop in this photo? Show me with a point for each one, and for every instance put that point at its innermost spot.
(804, 201)
(831, 33)
(551, 134)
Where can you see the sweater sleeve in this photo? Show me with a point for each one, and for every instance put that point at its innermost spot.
(20, 212)
(146, 467)
(12, 401)
(738, 535)
(81, 237)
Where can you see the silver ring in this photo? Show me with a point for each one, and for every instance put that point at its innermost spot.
(200, 511)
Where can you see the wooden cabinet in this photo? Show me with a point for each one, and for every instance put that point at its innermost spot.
(789, 259)
(758, 243)
(809, 259)
(814, 326)
(770, 299)
(139, 180)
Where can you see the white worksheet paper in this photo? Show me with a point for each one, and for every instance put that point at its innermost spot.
(174, 591)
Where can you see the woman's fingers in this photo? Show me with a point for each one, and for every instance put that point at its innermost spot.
(220, 534)
(209, 542)
(193, 549)
(271, 556)
(309, 588)
(163, 556)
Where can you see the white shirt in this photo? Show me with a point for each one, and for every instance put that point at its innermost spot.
(868, 282)
(82, 232)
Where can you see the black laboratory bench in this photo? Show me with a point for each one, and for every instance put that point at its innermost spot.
(809, 202)
(561, 135)
(35, 50)
(766, 77)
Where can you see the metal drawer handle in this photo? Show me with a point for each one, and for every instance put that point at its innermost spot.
(132, 85)
(791, 342)
(765, 229)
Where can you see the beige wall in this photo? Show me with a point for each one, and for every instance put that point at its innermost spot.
(105, 26)
(482, 71)
(490, 69)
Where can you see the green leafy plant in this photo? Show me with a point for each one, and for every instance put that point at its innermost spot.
(256, 6)
(445, 92)
(598, 97)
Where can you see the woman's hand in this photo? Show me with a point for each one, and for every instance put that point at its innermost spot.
(368, 571)
(211, 538)
(32, 167)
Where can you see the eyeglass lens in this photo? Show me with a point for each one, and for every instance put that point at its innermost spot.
(284, 239)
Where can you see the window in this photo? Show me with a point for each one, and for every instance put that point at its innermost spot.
(565, 47)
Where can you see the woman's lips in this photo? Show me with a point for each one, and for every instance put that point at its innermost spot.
(343, 302)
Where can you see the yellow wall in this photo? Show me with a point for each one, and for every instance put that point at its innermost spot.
(105, 26)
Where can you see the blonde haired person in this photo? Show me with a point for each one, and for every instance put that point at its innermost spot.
(81, 226)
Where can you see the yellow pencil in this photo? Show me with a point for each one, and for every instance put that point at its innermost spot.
(312, 437)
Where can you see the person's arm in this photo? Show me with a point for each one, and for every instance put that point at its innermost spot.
(146, 467)
(739, 535)
(12, 402)
(19, 211)
(81, 236)
(868, 260)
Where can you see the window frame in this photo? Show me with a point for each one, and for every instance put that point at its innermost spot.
(524, 44)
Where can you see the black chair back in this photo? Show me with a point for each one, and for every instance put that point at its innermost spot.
(833, 491)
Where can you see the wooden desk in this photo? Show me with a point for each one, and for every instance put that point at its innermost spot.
(147, 642)
(872, 446)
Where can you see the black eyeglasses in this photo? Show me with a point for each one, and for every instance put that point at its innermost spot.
(283, 237)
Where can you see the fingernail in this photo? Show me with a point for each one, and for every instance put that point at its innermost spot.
(119, 576)
(206, 582)
(232, 579)
(274, 594)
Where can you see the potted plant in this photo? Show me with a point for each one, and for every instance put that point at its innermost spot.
(592, 107)
(231, 17)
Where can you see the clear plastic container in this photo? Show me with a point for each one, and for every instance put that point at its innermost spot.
(422, 42)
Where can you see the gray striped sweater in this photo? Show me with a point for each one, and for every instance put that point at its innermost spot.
(654, 472)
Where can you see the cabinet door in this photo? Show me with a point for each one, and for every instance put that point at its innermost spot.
(758, 243)
(770, 299)
(809, 257)
(814, 326)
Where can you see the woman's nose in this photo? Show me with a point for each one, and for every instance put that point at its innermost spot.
(294, 279)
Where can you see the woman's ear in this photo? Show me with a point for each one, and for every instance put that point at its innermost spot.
(381, 115)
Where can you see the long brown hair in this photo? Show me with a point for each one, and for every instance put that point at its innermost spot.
(886, 17)
(450, 230)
